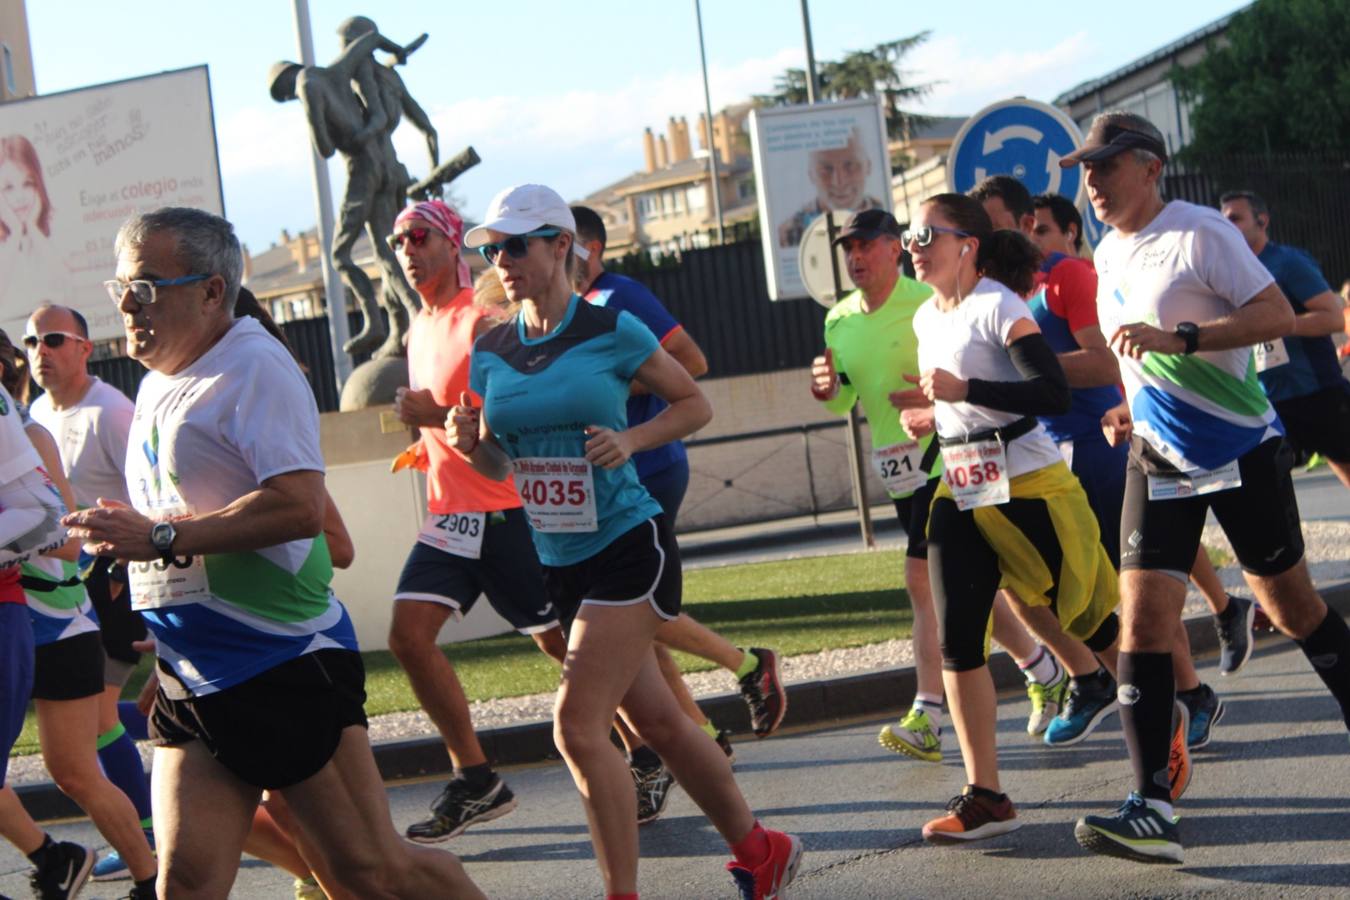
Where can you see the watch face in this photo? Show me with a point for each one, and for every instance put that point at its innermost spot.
(162, 536)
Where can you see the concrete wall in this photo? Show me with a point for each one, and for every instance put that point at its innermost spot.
(730, 484)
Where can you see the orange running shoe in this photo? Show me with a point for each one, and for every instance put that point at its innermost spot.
(1179, 760)
(972, 817)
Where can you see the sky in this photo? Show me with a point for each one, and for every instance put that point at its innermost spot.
(560, 93)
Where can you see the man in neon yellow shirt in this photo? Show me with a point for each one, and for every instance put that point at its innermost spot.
(870, 347)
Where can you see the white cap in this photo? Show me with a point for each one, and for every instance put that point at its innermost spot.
(522, 209)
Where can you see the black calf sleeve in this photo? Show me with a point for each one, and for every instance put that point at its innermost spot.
(1328, 649)
(1147, 693)
(1105, 635)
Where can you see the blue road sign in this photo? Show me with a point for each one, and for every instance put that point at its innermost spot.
(1022, 138)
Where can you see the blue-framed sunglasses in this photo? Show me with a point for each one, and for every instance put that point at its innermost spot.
(144, 290)
(516, 246)
(923, 235)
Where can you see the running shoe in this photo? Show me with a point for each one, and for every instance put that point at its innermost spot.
(1234, 628)
(767, 880)
(972, 817)
(459, 806)
(763, 691)
(1261, 622)
(653, 791)
(1091, 700)
(914, 736)
(1046, 701)
(113, 868)
(1179, 758)
(308, 889)
(65, 869)
(1315, 461)
(1205, 712)
(1137, 831)
(144, 892)
(724, 741)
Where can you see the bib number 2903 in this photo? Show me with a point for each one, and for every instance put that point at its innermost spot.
(977, 473)
(558, 493)
(460, 534)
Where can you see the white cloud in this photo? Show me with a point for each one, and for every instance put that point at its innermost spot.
(973, 77)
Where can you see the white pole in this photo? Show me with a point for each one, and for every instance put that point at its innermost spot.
(335, 293)
(712, 145)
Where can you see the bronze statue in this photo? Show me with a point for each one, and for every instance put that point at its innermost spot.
(353, 106)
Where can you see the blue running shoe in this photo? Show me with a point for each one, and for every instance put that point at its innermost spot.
(1137, 831)
(113, 868)
(1091, 700)
(1206, 710)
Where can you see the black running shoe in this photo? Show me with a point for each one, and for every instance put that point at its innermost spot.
(763, 691)
(1234, 628)
(653, 791)
(64, 871)
(724, 741)
(459, 806)
(142, 891)
(1137, 831)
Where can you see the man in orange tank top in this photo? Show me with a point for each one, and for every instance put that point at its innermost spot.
(474, 539)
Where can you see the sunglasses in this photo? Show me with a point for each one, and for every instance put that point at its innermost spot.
(144, 290)
(415, 236)
(53, 339)
(923, 236)
(516, 246)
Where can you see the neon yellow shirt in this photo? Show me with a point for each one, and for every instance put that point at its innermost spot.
(872, 351)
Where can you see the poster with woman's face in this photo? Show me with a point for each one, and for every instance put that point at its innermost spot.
(810, 160)
(75, 165)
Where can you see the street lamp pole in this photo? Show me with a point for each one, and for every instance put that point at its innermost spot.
(335, 293)
(707, 106)
(855, 459)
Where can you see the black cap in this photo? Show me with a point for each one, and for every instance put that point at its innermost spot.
(869, 224)
(1115, 132)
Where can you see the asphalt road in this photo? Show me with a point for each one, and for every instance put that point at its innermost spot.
(1268, 814)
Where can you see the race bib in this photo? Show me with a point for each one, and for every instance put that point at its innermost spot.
(1270, 354)
(157, 584)
(558, 493)
(1175, 487)
(460, 534)
(899, 467)
(977, 473)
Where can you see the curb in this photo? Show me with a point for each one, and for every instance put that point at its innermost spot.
(809, 703)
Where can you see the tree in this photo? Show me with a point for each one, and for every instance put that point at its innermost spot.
(1279, 84)
(861, 73)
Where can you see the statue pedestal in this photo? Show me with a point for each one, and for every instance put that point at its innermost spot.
(373, 383)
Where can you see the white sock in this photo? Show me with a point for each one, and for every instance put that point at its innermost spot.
(1161, 807)
(1043, 669)
(927, 703)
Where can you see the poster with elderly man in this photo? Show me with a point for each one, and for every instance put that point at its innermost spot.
(810, 160)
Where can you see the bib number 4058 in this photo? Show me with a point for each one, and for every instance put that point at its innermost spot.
(974, 474)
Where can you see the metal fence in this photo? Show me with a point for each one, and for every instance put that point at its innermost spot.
(1308, 194)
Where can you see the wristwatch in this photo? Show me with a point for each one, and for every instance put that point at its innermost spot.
(162, 536)
(1190, 333)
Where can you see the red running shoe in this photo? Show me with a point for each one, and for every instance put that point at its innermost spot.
(762, 689)
(767, 880)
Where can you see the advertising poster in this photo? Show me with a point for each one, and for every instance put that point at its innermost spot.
(809, 160)
(74, 165)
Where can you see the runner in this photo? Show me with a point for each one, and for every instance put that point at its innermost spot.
(1008, 511)
(474, 538)
(261, 685)
(1182, 300)
(90, 420)
(1299, 373)
(61, 868)
(554, 383)
(664, 472)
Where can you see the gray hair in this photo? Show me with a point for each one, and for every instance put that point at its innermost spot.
(205, 243)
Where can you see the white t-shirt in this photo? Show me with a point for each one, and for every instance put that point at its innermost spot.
(92, 437)
(1189, 264)
(240, 414)
(970, 341)
(17, 456)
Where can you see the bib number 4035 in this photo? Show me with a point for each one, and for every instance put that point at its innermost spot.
(553, 491)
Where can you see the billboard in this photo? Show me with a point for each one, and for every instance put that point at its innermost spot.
(810, 160)
(74, 165)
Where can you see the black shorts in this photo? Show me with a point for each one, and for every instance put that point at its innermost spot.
(1260, 518)
(1319, 423)
(279, 727)
(912, 511)
(70, 669)
(507, 571)
(117, 621)
(640, 565)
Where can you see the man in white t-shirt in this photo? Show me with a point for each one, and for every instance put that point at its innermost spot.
(90, 420)
(260, 681)
(1182, 300)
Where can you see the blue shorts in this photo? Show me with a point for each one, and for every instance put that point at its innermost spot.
(1101, 470)
(507, 572)
(668, 487)
(16, 676)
